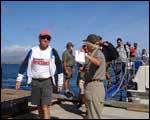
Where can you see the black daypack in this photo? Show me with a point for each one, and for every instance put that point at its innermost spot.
(126, 50)
(110, 52)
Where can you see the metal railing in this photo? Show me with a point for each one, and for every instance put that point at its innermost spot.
(131, 68)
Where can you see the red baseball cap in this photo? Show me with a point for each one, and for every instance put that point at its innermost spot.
(45, 32)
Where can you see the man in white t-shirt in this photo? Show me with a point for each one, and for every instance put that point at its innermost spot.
(41, 64)
(122, 60)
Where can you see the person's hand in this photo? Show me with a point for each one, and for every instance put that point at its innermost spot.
(59, 88)
(18, 85)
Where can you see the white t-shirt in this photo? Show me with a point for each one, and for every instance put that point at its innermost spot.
(122, 54)
(40, 63)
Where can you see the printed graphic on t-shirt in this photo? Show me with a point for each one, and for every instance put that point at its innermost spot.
(38, 61)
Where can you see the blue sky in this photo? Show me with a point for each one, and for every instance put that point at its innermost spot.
(72, 21)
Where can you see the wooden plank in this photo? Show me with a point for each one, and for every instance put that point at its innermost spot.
(138, 109)
(14, 107)
(14, 102)
(11, 94)
(134, 93)
(128, 105)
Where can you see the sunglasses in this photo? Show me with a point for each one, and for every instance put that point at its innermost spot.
(45, 37)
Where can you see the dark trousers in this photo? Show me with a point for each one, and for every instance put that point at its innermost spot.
(119, 71)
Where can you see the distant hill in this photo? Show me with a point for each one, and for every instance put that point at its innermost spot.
(14, 54)
(12, 59)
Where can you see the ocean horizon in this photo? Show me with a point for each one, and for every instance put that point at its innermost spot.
(9, 75)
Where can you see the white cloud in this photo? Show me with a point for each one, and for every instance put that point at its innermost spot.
(15, 50)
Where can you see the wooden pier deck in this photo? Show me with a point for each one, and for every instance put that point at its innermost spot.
(68, 110)
(15, 103)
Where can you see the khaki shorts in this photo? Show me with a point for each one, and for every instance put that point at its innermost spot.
(41, 92)
(68, 76)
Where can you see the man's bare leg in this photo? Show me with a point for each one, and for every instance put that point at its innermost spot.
(66, 85)
(40, 111)
(46, 111)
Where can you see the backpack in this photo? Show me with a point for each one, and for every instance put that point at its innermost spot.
(126, 50)
(110, 52)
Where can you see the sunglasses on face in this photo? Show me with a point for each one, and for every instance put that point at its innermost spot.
(45, 37)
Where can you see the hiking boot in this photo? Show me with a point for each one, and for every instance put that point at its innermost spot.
(68, 94)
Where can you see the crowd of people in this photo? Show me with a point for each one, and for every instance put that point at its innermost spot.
(43, 64)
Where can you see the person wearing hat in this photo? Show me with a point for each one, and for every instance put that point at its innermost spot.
(68, 67)
(94, 76)
(41, 64)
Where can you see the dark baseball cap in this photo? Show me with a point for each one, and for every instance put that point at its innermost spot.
(92, 38)
(99, 37)
(69, 44)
